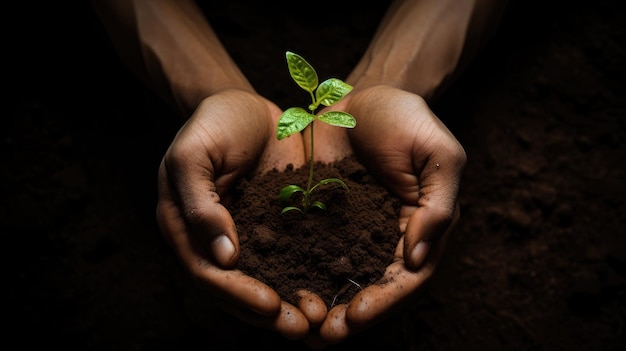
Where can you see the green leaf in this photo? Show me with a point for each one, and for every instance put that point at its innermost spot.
(328, 181)
(319, 205)
(293, 120)
(291, 208)
(338, 118)
(302, 72)
(286, 192)
(331, 91)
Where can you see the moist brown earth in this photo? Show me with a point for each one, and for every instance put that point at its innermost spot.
(538, 258)
(333, 253)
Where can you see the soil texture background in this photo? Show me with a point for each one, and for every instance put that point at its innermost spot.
(539, 258)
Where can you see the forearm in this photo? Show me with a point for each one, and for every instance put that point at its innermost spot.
(170, 45)
(421, 45)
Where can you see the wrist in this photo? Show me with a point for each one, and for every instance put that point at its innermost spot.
(191, 67)
(422, 44)
(427, 85)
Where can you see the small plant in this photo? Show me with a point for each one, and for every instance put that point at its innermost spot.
(295, 119)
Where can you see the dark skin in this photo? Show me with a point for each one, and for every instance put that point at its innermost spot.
(229, 133)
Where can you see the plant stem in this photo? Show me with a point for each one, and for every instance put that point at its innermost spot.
(310, 182)
(308, 187)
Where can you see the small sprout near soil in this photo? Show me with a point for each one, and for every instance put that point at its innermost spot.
(295, 119)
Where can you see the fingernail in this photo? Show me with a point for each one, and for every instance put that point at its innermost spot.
(223, 249)
(419, 253)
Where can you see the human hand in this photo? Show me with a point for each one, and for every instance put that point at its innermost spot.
(230, 135)
(418, 159)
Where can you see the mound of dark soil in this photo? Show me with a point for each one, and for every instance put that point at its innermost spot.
(333, 253)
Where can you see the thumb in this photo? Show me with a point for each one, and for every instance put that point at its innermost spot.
(193, 215)
(424, 229)
(222, 235)
(437, 210)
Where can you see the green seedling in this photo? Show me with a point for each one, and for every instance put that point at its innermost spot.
(295, 119)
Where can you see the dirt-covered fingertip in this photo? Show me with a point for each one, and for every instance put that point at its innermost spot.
(291, 323)
(335, 329)
(313, 307)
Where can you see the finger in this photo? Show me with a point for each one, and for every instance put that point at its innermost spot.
(289, 322)
(372, 304)
(335, 329)
(377, 301)
(397, 288)
(206, 220)
(424, 228)
(312, 306)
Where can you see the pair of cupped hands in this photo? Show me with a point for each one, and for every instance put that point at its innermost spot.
(232, 134)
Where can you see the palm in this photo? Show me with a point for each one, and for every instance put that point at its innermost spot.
(237, 132)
